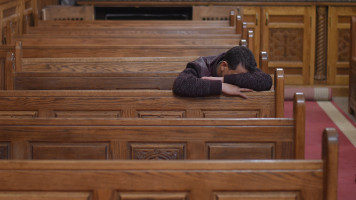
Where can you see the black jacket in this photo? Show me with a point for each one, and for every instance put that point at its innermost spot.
(189, 82)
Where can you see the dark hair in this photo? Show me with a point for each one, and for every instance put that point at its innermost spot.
(240, 55)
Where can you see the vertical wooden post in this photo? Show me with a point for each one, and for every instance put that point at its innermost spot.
(9, 28)
(251, 40)
(244, 31)
(330, 157)
(321, 44)
(20, 13)
(1, 27)
(243, 43)
(299, 119)
(263, 61)
(232, 18)
(35, 12)
(9, 71)
(238, 24)
(18, 56)
(279, 92)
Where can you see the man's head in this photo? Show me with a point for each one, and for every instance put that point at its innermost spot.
(237, 60)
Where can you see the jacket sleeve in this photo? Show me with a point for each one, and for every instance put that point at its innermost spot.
(188, 84)
(257, 80)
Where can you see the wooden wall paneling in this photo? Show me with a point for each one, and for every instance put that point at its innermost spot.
(339, 44)
(287, 39)
(312, 16)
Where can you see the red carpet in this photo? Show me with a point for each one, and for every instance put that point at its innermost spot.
(316, 121)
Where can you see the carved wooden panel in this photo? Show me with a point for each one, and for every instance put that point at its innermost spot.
(65, 195)
(161, 114)
(339, 44)
(344, 45)
(153, 195)
(157, 151)
(70, 151)
(286, 151)
(18, 114)
(237, 151)
(4, 151)
(231, 114)
(287, 35)
(84, 114)
(321, 43)
(9, 12)
(256, 195)
(286, 45)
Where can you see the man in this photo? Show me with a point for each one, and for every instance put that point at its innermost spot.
(230, 73)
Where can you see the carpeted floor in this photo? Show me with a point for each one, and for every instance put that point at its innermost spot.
(316, 120)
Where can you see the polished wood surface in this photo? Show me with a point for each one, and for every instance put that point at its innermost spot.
(92, 134)
(133, 103)
(70, 13)
(13, 15)
(305, 179)
(352, 81)
(339, 45)
(98, 72)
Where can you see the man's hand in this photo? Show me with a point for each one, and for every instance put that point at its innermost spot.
(234, 90)
(213, 78)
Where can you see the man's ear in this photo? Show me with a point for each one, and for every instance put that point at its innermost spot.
(224, 66)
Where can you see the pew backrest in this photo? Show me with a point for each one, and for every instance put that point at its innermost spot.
(98, 73)
(96, 138)
(195, 180)
(68, 13)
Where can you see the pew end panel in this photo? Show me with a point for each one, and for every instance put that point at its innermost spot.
(279, 91)
(291, 179)
(330, 156)
(352, 72)
(4, 49)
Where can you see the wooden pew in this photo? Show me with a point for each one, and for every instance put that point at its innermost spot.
(178, 30)
(194, 180)
(88, 22)
(130, 23)
(97, 138)
(97, 73)
(51, 40)
(352, 76)
(141, 29)
(136, 103)
(122, 51)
